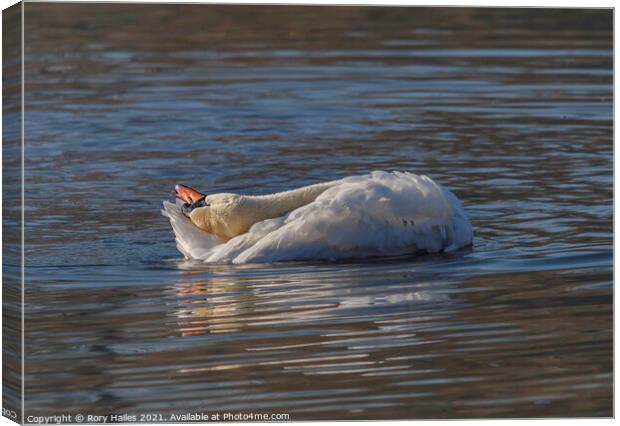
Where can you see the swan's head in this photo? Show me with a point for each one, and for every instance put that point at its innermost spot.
(212, 214)
(195, 206)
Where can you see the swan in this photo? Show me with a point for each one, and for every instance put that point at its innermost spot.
(377, 214)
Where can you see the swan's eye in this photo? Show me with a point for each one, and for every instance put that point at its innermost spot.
(199, 203)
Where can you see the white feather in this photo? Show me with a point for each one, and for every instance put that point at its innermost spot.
(193, 242)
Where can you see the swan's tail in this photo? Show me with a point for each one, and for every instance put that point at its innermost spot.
(191, 241)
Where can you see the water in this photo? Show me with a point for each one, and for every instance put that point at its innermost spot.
(510, 109)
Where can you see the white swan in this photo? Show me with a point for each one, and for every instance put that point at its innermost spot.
(379, 214)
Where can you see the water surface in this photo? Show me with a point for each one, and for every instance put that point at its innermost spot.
(510, 109)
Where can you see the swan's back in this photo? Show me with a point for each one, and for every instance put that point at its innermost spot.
(381, 214)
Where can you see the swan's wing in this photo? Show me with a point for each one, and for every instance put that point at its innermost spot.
(196, 244)
(191, 241)
(230, 250)
(378, 214)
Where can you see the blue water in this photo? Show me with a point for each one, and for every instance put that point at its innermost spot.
(510, 109)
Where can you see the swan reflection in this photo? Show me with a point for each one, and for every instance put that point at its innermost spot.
(221, 299)
(212, 305)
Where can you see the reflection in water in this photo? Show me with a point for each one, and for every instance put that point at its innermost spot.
(220, 305)
(302, 301)
(509, 108)
(214, 305)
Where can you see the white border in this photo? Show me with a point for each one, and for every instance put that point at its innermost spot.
(564, 4)
(23, 185)
(444, 3)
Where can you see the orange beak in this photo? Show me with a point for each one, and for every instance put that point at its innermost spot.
(188, 195)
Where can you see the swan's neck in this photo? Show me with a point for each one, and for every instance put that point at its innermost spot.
(238, 213)
(278, 204)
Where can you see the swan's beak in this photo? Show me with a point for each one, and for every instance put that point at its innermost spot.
(188, 195)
